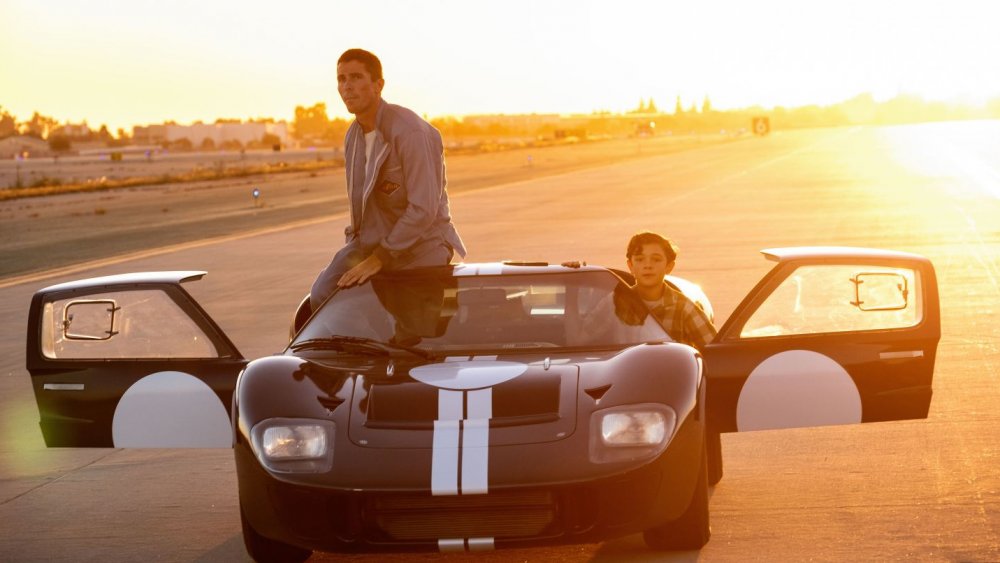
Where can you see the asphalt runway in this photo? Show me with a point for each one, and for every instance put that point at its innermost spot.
(39, 234)
(914, 490)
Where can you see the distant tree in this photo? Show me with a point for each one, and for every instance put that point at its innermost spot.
(182, 144)
(310, 122)
(651, 106)
(38, 126)
(270, 140)
(103, 134)
(336, 130)
(227, 120)
(231, 145)
(8, 125)
(59, 143)
(678, 108)
(706, 105)
(207, 144)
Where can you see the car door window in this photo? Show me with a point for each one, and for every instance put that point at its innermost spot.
(831, 298)
(122, 324)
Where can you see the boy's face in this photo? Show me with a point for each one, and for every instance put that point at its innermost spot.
(649, 265)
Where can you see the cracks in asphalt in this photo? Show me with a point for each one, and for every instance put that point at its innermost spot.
(59, 478)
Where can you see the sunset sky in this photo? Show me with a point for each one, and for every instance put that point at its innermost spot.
(138, 61)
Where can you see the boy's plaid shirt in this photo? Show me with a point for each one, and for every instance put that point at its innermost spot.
(683, 320)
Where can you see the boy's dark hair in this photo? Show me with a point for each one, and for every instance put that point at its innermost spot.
(643, 238)
(371, 62)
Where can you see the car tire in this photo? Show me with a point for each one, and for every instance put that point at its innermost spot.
(691, 530)
(266, 550)
(713, 443)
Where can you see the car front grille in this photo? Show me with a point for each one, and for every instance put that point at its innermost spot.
(497, 515)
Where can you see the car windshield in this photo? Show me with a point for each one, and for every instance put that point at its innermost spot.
(440, 310)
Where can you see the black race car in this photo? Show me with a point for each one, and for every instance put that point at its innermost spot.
(481, 406)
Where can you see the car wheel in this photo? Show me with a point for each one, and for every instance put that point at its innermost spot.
(266, 550)
(691, 530)
(713, 442)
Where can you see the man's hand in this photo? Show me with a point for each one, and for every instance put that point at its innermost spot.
(360, 273)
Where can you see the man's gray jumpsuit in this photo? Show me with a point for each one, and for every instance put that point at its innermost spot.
(398, 199)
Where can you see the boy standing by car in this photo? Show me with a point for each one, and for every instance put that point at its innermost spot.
(650, 257)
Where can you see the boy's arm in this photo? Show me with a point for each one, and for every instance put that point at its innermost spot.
(700, 331)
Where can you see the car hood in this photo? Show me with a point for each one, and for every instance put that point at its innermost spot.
(522, 399)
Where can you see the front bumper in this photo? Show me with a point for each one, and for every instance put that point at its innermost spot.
(342, 519)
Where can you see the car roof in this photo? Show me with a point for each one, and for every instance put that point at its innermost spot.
(170, 277)
(511, 267)
(181, 276)
(836, 253)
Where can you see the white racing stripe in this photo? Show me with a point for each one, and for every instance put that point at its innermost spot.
(480, 404)
(461, 545)
(451, 545)
(462, 432)
(490, 269)
(476, 442)
(461, 447)
(444, 458)
(481, 544)
(451, 405)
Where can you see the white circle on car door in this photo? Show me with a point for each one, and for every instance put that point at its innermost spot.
(797, 388)
(170, 409)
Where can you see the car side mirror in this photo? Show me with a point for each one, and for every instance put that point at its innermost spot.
(880, 291)
(92, 319)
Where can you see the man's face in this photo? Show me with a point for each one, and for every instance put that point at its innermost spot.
(649, 265)
(359, 92)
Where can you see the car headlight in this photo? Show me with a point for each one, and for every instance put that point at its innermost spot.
(641, 428)
(630, 433)
(294, 445)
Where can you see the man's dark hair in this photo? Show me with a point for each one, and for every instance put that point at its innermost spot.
(371, 62)
(643, 238)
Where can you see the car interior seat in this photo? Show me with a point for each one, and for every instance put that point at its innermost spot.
(487, 315)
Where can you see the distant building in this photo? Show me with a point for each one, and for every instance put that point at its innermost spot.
(22, 145)
(218, 133)
(74, 130)
(149, 134)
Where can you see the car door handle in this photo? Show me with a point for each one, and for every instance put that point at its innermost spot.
(63, 386)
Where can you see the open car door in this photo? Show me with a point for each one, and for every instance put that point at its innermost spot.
(829, 336)
(130, 361)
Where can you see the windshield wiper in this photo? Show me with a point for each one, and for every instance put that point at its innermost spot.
(358, 344)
